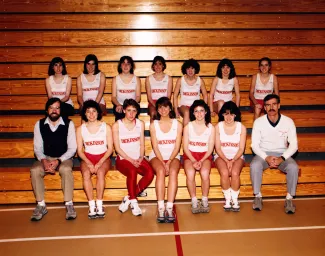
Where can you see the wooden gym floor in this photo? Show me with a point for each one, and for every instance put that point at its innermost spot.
(269, 232)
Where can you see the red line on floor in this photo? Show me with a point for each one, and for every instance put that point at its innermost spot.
(178, 240)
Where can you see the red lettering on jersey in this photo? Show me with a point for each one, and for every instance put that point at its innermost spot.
(229, 144)
(90, 89)
(198, 143)
(264, 91)
(159, 90)
(224, 92)
(190, 93)
(126, 91)
(58, 93)
(94, 143)
(163, 142)
(130, 140)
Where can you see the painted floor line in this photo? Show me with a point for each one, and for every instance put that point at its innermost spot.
(154, 203)
(203, 232)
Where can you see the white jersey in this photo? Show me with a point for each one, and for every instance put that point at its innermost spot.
(190, 93)
(198, 143)
(262, 90)
(125, 91)
(94, 143)
(90, 89)
(224, 91)
(158, 88)
(166, 141)
(59, 90)
(229, 143)
(130, 140)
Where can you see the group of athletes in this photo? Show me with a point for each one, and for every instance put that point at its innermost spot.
(95, 139)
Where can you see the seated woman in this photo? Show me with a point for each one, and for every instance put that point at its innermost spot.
(91, 83)
(223, 85)
(95, 145)
(230, 146)
(125, 86)
(198, 144)
(166, 138)
(263, 83)
(158, 85)
(189, 86)
(58, 85)
(128, 136)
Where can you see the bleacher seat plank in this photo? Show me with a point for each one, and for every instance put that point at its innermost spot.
(28, 70)
(56, 196)
(23, 148)
(160, 21)
(58, 6)
(17, 179)
(25, 123)
(17, 102)
(147, 53)
(294, 83)
(162, 37)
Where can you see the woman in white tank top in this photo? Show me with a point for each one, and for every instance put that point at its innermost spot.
(91, 83)
(263, 83)
(125, 86)
(58, 85)
(166, 138)
(94, 145)
(128, 136)
(189, 86)
(198, 145)
(158, 85)
(223, 85)
(230, 147)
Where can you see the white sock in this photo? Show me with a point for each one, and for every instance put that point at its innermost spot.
(69, 202)
(92, 204)
(258, 195)
(204, 198)
(289, 197)
(99, 203)
(161, 204)
(41, 203)
(194, 199)
(169, 205)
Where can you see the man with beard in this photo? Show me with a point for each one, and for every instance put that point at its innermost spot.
(274, 141)
(54, 147)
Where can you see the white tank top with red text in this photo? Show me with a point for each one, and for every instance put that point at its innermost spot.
(59, 90)
(158, 88)
(189, 93)
(262, 90)
(198, 143)
(229, 143)
(224, 91)
(90, 89)
(130, 140)
(94, 143)
(166, 141)
(125, 91)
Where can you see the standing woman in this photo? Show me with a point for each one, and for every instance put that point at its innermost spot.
(166, 138)
(263, 83)
(158, 85)
(198, 143)
(95, 145)
(230, 147)
(125, 86)
(223, 85)
(189, 85)
(91, 83)
(128, 136)
(58, 85)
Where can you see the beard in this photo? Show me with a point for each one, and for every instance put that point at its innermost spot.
(54, 117)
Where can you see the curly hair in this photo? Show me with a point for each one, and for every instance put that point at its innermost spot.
(200, 103)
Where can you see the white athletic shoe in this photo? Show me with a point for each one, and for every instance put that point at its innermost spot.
(136, 211)
(124, 206)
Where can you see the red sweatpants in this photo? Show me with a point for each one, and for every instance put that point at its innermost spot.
(131, 173)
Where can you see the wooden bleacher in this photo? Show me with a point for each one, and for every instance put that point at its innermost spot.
(33, 32)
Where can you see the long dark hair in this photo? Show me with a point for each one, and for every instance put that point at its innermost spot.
(165, 101)
(200, 103)
(91, 57)
(53, 62)
(232, 108)
(130, 60)
(226, 62)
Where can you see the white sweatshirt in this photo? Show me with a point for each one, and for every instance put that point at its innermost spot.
(281, 139)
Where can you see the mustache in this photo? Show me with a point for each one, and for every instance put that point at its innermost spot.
(272, 110)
